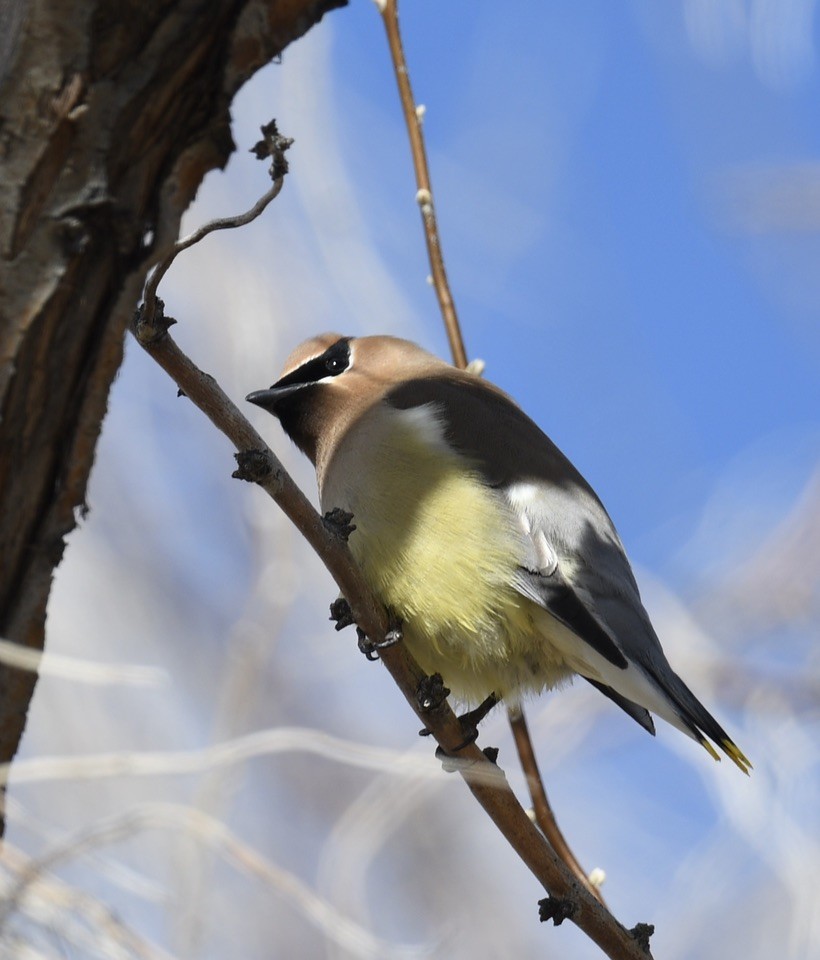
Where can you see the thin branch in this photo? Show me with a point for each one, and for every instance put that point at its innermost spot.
(217, 836)
(225, 754)
(424, 190)
(412, 115)
(541, 806)
(44, 663)
(272, 145)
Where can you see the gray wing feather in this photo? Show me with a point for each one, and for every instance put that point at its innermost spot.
(590, 588)
(573, 563)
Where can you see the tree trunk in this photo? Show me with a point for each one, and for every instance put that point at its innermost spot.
(110, 116)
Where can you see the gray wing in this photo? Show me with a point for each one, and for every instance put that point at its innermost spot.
(573, 562)
(573, 565)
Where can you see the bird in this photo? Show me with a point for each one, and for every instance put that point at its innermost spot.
(476, 532)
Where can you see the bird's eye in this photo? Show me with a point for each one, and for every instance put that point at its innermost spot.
(333, 361)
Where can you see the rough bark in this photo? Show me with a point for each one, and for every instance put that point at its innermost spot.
(111, 113)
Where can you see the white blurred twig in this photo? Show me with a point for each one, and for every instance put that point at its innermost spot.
(244, 858)
(81, 671)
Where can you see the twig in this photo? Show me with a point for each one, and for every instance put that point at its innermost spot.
(212, 832)
(424, 190)
(542, 809)
(272, 145)
(389, 11)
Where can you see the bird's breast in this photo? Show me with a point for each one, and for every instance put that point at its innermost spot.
(438, 546)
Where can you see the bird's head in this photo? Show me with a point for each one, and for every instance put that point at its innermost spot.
(329, 381)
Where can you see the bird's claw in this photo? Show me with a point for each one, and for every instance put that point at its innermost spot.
(372, 648)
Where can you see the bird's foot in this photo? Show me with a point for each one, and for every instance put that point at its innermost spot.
(371, 648)
(342, 616)
(469, 721)
(431, 694)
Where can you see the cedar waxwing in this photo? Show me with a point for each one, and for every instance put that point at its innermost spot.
(476, 531)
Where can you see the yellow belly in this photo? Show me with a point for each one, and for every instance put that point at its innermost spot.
(440, 549)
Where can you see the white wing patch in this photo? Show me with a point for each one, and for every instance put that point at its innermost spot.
(526, 500)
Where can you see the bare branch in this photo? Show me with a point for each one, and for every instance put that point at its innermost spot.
(217, 836)
(258, 464)
(413, 119)
(412, 114)
(424, 191)
(490, 786)
(541, 806)
(272, 145)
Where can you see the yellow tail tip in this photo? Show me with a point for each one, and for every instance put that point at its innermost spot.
(734, 753)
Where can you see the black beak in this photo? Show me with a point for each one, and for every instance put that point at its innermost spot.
(270, 398)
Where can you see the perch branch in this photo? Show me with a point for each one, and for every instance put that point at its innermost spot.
(389, 11)
(567, 898)
(486, 781)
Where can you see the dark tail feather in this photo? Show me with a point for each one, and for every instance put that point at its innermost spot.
(643, 716)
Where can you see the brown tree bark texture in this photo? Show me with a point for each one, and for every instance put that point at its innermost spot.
(111, 113)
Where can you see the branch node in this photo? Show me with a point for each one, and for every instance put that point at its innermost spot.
(273, 145)
(337, 522)
(641, 933)
(254, 466)
(341, 614)
(155, 326)
(431, 693)
(491, 753)
(557, 909)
